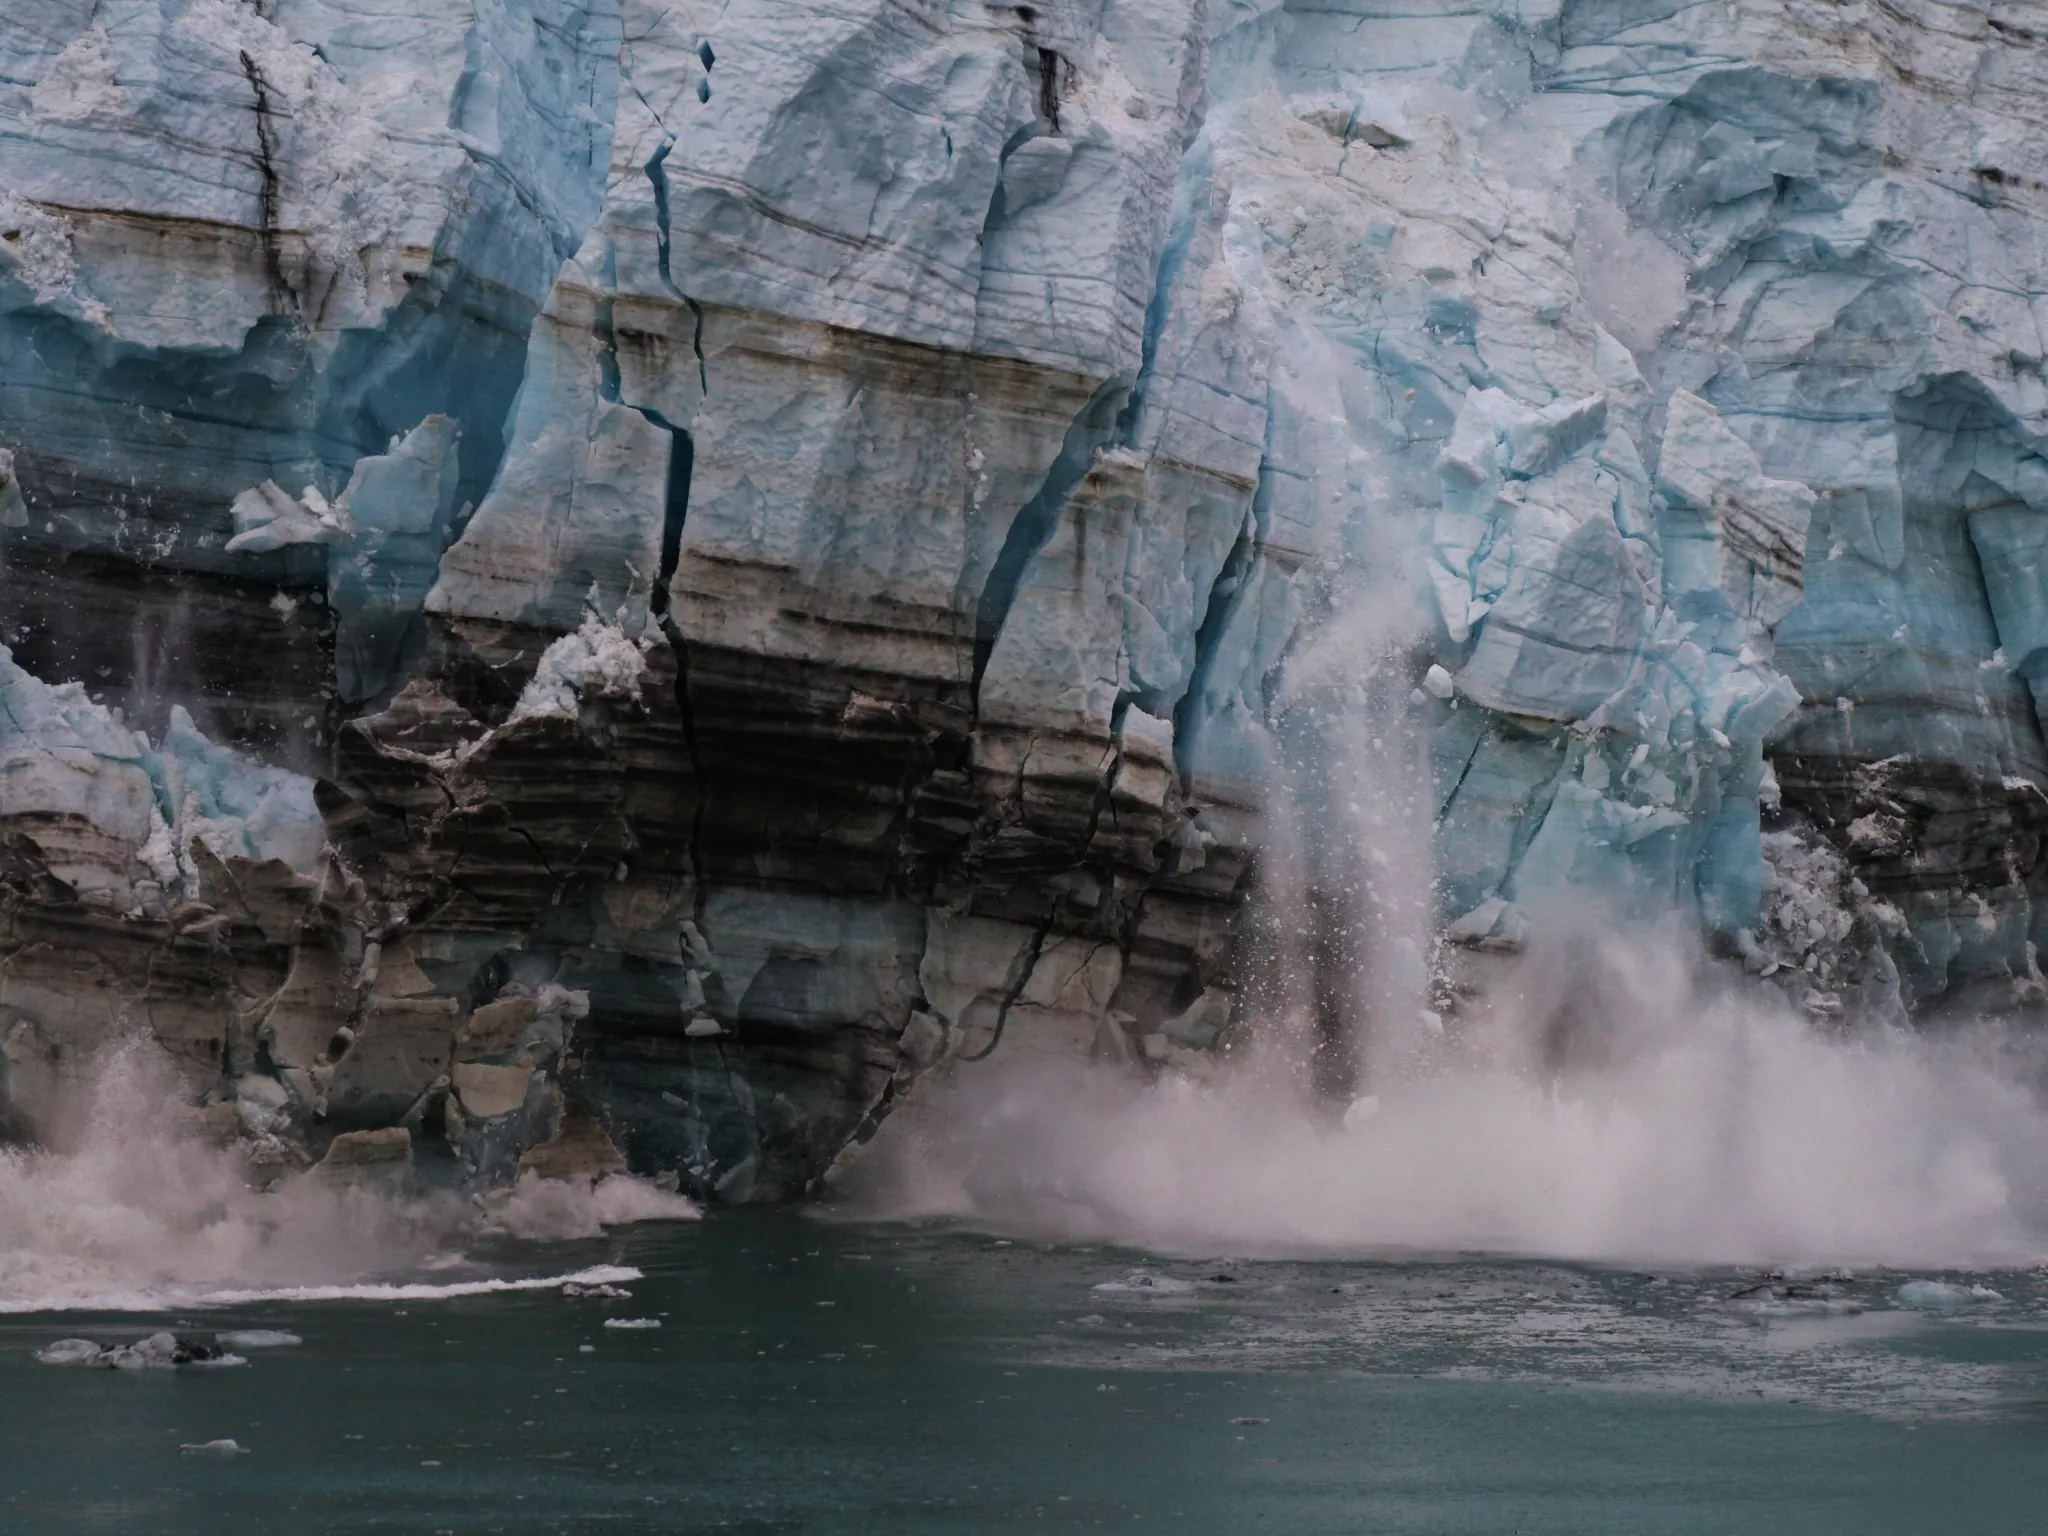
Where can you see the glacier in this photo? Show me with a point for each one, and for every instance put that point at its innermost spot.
(640, 575)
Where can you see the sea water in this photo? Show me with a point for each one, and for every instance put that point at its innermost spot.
(811, 1374)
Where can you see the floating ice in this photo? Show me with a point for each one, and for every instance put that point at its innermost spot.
(158, 1351)
(1941, 1296)
(69, 1352)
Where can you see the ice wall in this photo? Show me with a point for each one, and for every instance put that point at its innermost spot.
(819, 533)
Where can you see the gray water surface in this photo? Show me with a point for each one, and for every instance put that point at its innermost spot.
(811, 1377)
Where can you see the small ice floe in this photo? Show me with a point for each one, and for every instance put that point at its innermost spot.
(598, 1292)
(160, 1351)
(1144, 1282)
(1940, 1296)
(69, 1352)
(632, 1322)
(220, 1448)
(257, 1338)
(1246, 1421)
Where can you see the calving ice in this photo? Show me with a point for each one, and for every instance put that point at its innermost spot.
(1325, 718)
(589, 597)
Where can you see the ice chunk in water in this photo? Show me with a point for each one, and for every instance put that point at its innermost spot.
(1940, 1296)
(69, 1352)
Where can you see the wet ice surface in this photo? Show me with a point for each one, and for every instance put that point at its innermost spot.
(810, 1376)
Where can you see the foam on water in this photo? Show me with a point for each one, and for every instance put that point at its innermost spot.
(596, 1274)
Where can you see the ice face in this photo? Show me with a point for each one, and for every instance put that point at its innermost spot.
(137, 805)
(831, 534)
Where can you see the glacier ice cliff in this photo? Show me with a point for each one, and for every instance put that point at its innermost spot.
(666, 569)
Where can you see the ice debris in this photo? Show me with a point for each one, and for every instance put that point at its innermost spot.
(267, 518)
(597, 661)
(1820, 933)
(159, 1351)
(381, 540)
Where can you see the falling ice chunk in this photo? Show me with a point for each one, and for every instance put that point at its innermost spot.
(699, 1029)
(1361, 1109)
(1439, 682)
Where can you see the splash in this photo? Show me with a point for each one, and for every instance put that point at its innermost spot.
(130, 1208)
(555, 1210)
(1698, 1130)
